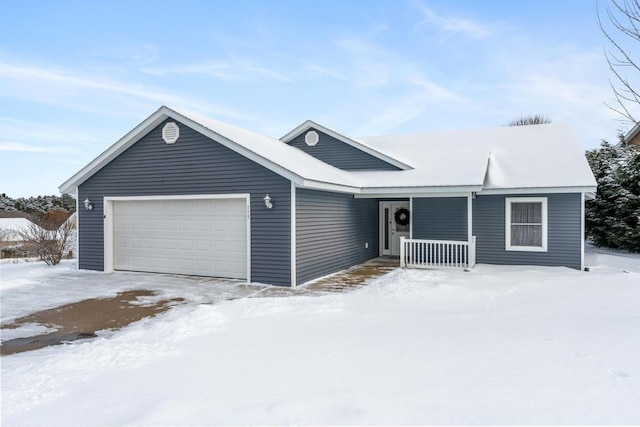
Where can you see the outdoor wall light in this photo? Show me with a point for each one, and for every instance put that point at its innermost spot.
(267, 201)
(87, 205)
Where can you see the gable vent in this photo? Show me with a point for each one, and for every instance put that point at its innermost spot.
(170, 132)
(311, 138)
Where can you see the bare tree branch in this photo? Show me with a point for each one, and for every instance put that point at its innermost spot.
(624, 18)
(47, 240)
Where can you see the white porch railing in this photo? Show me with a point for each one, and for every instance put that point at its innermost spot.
(416, 253)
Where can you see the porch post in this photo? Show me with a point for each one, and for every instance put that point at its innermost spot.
(411, 217)
(402, 252)
(469, 217)
(471, 248)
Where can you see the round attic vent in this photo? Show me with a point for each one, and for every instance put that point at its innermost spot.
(170, 132)
(311, 138)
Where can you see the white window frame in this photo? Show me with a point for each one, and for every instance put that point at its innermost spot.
(507, 221)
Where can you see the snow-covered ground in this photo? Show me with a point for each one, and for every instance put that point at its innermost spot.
(499, 345)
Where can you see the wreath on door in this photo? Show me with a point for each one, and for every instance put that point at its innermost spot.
(402, 216)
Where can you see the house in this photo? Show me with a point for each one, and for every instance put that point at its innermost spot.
(633, 137)
(186, 194)
(12, 224)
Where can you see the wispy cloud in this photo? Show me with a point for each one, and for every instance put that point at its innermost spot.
(325, 71)
(215, 69)
(235, 69)
(451, 25)
(423, 97)
(20, 147)
(50, 84)
(22, 130)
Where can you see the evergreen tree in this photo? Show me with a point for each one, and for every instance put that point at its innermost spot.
(39, 205)
(613, 218)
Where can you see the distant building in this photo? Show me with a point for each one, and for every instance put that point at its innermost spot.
(11, 224)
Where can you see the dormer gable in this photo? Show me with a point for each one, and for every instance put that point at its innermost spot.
(338, 150)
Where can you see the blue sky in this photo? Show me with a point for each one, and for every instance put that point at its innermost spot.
(77, 76)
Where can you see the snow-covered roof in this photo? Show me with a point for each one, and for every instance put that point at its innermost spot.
(13, 227)
(527, 158)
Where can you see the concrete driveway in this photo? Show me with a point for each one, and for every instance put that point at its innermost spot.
(44, 306)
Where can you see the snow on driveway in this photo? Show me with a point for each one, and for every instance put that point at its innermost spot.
(499, 345)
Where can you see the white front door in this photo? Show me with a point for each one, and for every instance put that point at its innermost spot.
(394, 223)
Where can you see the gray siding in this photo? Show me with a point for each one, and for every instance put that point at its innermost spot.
(564, 232)
(331, 232)
(343, 156)
(193, 165)
(440, 218)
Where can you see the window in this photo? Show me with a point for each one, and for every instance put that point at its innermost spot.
(526, 224)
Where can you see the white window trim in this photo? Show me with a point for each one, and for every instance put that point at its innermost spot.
(507, 222)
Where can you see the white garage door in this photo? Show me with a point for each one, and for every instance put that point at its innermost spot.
(203, 237)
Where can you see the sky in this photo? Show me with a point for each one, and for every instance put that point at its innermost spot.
(77, 76)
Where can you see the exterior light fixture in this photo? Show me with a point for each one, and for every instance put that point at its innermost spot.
(267, 201)
(87, 205)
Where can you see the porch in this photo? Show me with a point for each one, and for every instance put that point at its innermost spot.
(428, 232)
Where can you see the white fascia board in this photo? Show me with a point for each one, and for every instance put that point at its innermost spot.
(114, 151)
(412, 195)
(360, 146)
(320, 185)
(453, 191)
(537, 190)
(297, 131)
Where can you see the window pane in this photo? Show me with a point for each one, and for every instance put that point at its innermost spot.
(526, 213)
(526, 235)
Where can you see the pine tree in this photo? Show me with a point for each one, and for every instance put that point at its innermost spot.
(613, 218)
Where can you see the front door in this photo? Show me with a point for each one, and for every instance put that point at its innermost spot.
(394, 223)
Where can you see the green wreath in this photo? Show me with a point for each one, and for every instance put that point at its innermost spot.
(402, 216)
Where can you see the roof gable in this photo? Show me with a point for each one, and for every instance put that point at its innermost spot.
(351, 145)
(336, 153)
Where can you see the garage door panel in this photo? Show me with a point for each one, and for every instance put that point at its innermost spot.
(199, 237)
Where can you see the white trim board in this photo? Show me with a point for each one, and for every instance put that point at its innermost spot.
(294, 280)
(538, 190)
(461, 191)
(582, 229)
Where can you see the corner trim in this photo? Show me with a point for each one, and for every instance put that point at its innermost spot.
(294, 279)
(582, 230)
